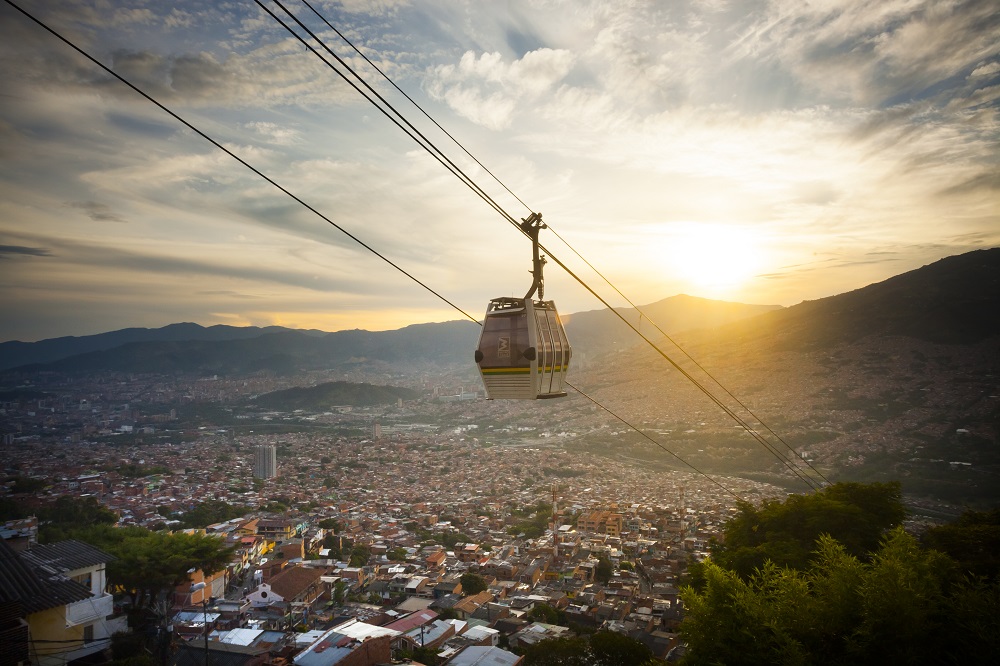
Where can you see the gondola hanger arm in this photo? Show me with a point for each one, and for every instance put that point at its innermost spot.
(531, 225)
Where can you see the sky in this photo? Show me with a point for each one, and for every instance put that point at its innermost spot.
(757, 151)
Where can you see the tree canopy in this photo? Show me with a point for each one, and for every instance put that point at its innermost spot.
(70, 514)
(856, 515)
(829, 579)
(904, 606)
(973, 541)
(211, 512)
(472, 583)
(150, 563)
(604, 648)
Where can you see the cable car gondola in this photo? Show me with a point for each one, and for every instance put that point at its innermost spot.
(523, 352)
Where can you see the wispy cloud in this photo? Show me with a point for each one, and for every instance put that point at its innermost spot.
(96, 211)
(23, 250)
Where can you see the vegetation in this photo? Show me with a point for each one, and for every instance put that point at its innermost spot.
(535, 520)
(856, 515)
(69, 515)
(359, 555)
(603, 648)
(211, 512)
(148, 564)
(24, 484)
(603, 570)
(322, 396)
(841, 600)
(973, 541)
(472, 583)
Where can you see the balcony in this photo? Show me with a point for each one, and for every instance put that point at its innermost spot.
(89, 610)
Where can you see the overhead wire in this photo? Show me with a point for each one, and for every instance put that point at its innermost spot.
(389, 111)
(431, 147)
(288, 193)
(689, 357)
(428, 145)
(236, 157)
(414, 103)
(639, 310)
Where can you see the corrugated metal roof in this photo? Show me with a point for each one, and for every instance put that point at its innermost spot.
(68, 555)
(37, 587)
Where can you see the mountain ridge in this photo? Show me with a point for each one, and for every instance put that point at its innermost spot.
(251, 349)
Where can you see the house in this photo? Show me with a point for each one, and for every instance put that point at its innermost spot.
(476, 655)
(535, 633)
(351, 643)
(434, 634)
(276, 529)
(465, 607)
(296, 586)
(59, 592)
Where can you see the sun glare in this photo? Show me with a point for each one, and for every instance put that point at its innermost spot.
(715, 258)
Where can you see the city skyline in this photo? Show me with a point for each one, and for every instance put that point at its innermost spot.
(761, 152)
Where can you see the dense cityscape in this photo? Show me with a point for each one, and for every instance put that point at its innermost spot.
(362, 521)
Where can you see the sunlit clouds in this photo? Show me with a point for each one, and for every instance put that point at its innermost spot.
(766, 152)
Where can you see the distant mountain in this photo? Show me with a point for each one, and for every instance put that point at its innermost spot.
(893, 381)
(16, 353)
(228, 350)
(953, 301)
(282, 352)
(596, 331)
(324, 396)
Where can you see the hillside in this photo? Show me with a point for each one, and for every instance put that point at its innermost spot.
(16, 353)
(285, 352)
(324, 396)
(230, 351)
(897, 380)
(598, 331)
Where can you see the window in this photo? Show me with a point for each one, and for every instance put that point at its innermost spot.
(88, 633)
(83, 579)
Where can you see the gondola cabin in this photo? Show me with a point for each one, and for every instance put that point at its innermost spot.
(523, 352)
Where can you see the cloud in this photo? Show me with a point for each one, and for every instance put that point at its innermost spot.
(488, 90)
(887, 51)
(23, 250)
(96, 211)
(988, 69)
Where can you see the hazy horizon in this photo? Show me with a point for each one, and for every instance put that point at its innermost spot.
(752, 151)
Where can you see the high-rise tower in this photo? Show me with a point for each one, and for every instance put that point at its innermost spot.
(266, 463)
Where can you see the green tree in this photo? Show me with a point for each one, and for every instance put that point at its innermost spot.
(904, 605)
(360, 555)
(70, 514)
(973, 541)
(24, 484)
(565, 651)
(604, 569)
(210, 512)
(547, 614)
(856, 515)
(330, 524)
(472, 583)
(610, 649)
(150, 564)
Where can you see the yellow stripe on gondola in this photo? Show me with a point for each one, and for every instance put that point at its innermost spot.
(506, 371)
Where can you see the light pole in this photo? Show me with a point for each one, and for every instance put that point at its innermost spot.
(195, 587)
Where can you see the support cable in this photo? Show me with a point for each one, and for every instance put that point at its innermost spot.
(233, 155)
(323, 217)
(414, 103)
(469, 182)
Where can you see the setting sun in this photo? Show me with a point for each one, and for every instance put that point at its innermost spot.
(715, 257)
